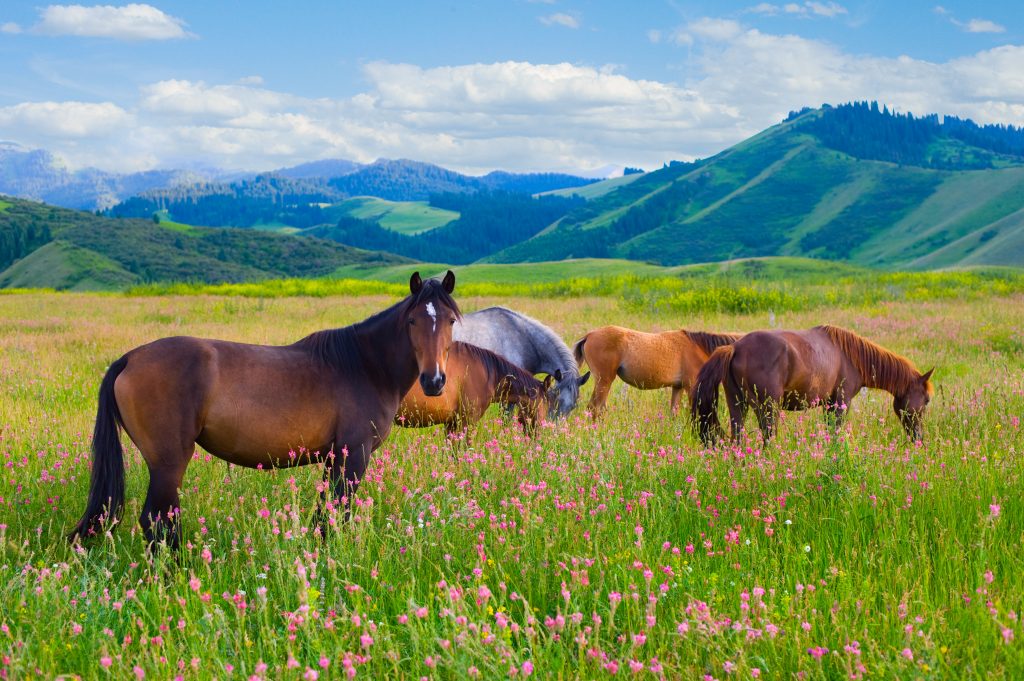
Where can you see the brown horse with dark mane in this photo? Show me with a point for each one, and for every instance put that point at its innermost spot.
(476, 379)
(646, 360)
(793, 370)
(257, 405)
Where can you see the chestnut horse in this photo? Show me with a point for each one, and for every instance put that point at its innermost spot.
(646, 360)
(793, 370)
(256, 405)
(476, 378)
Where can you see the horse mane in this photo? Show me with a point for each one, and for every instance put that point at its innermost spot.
(500, 368)
(339, 348)
(709, 342)
(878, 367)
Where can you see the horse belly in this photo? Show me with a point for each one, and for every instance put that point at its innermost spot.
(251, 437)
(651, 361)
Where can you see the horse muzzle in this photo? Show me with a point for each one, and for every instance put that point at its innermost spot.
(433, 384)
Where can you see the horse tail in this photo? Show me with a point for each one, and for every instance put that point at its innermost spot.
(106, 489)
(577, 351)
(704, 405)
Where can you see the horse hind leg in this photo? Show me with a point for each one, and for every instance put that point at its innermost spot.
(737, 411)
(768, 414)
(162, 508)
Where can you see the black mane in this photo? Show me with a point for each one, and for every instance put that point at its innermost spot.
(339, 348)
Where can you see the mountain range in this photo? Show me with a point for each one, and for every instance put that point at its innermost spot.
(855, 183)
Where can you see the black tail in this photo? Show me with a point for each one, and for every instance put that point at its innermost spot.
(106, 490)
(704, 405)
(577, 350)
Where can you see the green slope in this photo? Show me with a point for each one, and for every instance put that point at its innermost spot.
(61, 265)
(43, 246)
(407, 217)
(783, 192)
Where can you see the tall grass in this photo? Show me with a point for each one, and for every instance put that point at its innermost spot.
(693, 293)
(621, 548)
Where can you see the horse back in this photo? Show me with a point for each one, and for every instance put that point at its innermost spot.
(806, 363)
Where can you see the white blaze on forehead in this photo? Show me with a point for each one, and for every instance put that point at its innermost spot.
(433, 314)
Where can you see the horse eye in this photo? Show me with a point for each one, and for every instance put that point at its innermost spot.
(412, 322)
(452, 322)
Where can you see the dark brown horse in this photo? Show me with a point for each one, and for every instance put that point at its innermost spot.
(793, 370)
(670, 359)
(476, 379)
(257, 405)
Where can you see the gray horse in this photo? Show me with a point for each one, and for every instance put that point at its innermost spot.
(528, 344)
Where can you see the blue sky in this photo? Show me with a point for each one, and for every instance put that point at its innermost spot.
(516, 84)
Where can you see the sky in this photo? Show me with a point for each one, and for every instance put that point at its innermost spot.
(519, 85)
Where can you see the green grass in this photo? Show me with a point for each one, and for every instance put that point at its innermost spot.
(597, 189)
(590, 548)
(167, 223)
(65, 266)
(770, 285)
(407, 217)
(4, 205)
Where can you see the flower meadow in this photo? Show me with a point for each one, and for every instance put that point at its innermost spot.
(621, 549)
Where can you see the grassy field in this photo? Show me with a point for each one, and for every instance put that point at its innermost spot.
(407, 217)
(621, 548)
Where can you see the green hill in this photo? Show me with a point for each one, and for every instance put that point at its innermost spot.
(786, 192)
(406, 217)
(44, 246)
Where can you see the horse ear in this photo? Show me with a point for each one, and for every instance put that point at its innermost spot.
(548, 380)
(415, 283)
(448, 283)
(927, 375)
(584, 378)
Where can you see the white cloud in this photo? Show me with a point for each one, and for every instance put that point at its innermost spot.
(10, 27)
(654, 36)
(57, 120)
(825, 9)
(821, 9)
(129, 22)
(561, 19)
(984, 26)
(972, 26)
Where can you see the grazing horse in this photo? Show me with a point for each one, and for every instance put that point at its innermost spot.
(527, 343)
(476, 378)
(256, 405)
(792, 370)
(646, 360)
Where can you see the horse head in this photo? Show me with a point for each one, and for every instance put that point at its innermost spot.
(911, 404)
(565, 393)
(430, 314)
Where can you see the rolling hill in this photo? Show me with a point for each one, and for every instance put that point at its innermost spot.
(946, 202)
(46, 247)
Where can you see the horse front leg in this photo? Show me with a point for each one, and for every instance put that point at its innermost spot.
(344, 472)
(677, 392)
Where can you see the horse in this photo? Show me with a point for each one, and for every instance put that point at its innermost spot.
(335, 390)
(647, 361)
(477, 377)
(792, 370)
(529, 344)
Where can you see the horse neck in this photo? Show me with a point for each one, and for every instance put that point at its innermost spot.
(878, 368)
(387, 353)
